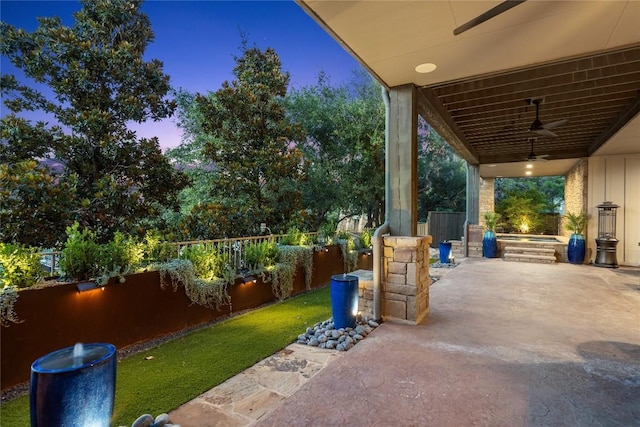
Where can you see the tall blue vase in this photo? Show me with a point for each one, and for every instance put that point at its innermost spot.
(74, 386)
(576, 249)
(489, 244)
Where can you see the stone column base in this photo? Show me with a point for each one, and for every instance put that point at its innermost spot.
(406, 281)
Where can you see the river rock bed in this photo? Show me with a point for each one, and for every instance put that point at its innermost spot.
(325, 335)
(444, 264)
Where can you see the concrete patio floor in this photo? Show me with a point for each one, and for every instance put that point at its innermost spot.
(505, 344)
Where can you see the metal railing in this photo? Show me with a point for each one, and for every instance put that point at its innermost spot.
(234, 248)
(50, 262)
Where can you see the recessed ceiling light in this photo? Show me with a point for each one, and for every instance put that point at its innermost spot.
(491, 166)
(529, 166)
(527, 173)
(427, 67)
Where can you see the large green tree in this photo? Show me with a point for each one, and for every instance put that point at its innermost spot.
(552, 187)
(441, 175)
(101, 82)
(249, 149)
(344, 148)
(189, 158)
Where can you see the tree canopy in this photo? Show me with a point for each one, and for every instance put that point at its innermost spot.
(100, 83)
(249, 151)
(442, 179)
(344, 148)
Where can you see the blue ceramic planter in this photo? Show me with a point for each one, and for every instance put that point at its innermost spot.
(74, 388)
(344, 300)
(576, 249)
(489, 244)
(445, 252)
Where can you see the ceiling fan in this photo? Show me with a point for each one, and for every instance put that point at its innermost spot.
(491, 13)
(540, 128)
(533, 157)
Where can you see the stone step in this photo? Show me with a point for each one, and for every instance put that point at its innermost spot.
(537, 259)
(529, 249)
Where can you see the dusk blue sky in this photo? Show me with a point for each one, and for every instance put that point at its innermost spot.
(197, 40)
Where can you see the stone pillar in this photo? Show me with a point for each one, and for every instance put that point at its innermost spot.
(575, 192)
(406, 281)
(474, 241)
(473, 194)
(487, 197)
(403, 161)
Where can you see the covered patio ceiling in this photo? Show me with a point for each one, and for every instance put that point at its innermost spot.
(581, 59)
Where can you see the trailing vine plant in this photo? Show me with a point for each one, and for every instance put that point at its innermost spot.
(282, 280)
(284, 271)
(347, 248)
(208, 293)
(8, 298)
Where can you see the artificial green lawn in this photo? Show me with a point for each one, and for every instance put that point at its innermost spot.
(188, 366)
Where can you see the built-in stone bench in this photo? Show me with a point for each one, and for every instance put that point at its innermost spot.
(539, 255)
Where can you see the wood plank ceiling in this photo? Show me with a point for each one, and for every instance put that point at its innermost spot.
(597, 94)
(581, 57)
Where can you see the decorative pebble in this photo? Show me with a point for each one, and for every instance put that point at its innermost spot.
(147, 420)
(143, 421)
(324, 335)
(161, 420)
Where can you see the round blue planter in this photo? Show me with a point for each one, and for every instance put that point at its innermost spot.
(68, 390)
(576, 249)
(344, 300)
(489, 244)
(445, 252)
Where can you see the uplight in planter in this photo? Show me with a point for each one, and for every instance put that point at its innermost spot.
(249, 279)
(87, 286)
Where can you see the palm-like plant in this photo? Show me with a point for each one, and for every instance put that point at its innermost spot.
(576, 223)
(491, 220)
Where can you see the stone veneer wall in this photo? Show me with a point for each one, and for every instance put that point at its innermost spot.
(456, 249)
(406, 281)
(575, 192)
(474, 240)
(487, 197)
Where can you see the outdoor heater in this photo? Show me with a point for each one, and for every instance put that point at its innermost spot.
(606, 241)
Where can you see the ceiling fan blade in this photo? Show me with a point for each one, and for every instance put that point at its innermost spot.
(543, 132)
(491, 13)
(535, 158)
(553, 125)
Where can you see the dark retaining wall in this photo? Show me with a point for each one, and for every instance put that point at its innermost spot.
(127, 313)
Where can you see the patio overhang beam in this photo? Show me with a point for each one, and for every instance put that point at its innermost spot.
(623, 118)
(437, 116)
